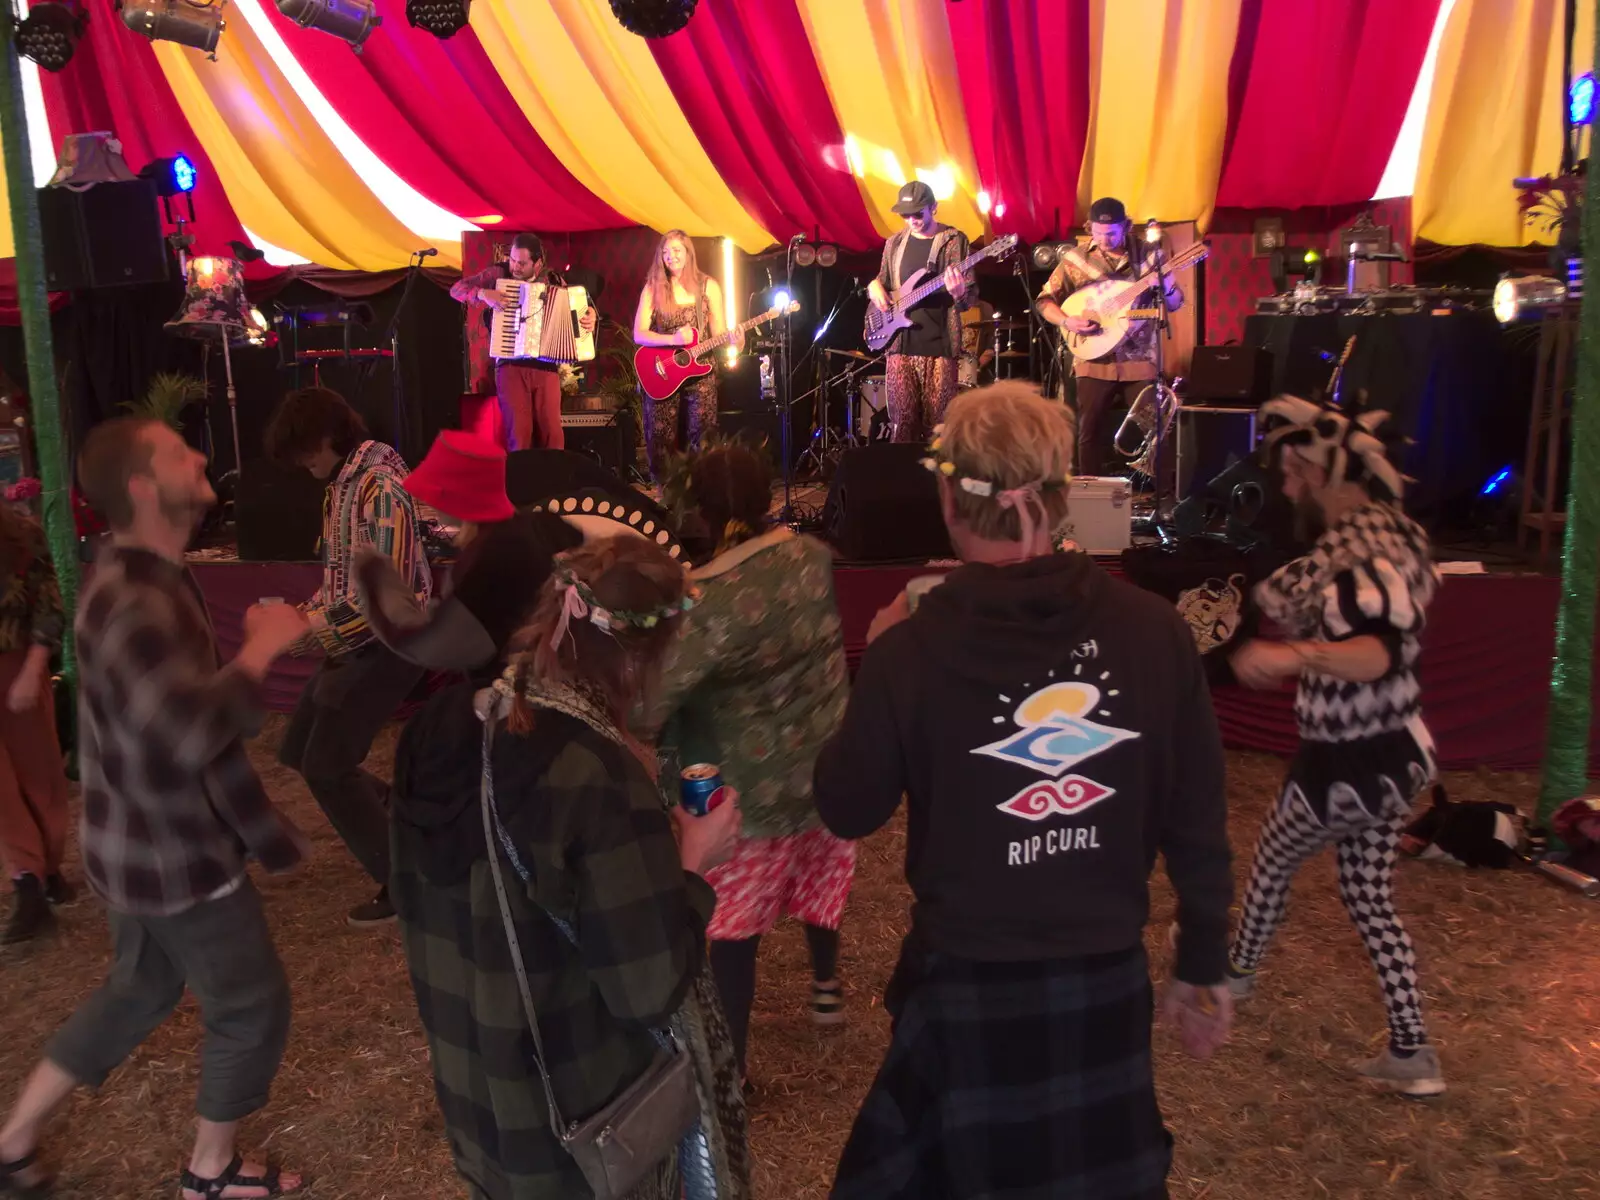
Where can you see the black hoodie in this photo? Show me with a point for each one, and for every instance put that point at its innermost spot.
(1051, 729)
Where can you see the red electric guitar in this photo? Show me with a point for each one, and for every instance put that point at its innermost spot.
(664, 369)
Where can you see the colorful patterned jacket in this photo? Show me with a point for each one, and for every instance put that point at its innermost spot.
(756, 682)
(366, 505)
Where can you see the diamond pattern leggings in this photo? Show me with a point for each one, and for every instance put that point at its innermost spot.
(1291, 835)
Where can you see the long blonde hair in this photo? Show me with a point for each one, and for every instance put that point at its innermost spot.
(659, 282)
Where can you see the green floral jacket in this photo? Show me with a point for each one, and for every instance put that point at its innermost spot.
(756, 683)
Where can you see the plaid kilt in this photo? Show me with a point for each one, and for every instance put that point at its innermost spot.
(1013, 1081)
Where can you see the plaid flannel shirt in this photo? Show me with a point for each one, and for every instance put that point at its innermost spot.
(172, 808)
(588, 825)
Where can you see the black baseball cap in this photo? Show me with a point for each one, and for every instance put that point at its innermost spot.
(913, 198)
(1107, 210)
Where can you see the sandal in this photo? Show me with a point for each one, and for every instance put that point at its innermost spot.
(212, 1189)
(11, 1186)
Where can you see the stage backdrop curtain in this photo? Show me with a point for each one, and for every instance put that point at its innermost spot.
(285, 177)
(598, 100)
(1326, 87)
(436, 113)
(891, 72)
(1494, 115)
(751, 91)
(1024, 69)
(1158, 105)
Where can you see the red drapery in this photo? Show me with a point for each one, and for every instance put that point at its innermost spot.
(1321, 90)
(750, 87)
(438, 115)
(1024, 68)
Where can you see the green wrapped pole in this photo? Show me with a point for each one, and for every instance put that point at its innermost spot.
(34, 302)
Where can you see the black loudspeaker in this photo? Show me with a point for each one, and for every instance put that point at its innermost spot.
(611, 441)
(1208, 441)
(883, 506)
(278, 513)
(108, 235)
(1239, 375)
(533, 476)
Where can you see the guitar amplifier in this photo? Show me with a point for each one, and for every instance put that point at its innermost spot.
(1233, 375)
(607, 437)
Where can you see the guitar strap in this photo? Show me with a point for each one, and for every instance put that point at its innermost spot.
(1078, 259)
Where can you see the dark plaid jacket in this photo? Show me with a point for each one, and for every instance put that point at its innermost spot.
(172, 807)
(588, 825)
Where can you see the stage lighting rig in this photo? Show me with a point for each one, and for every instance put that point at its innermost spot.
(1517, 297)
(50, 34)
(172, 176)
(1581, 99)
(653, 18)
(188, 24)
(350, 21)
(821, 254)
(442, 18)
(1047, 254)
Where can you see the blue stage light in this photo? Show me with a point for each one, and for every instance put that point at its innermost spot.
(183, 174)
(1580, 100)
(1496, 481)
(780, 298)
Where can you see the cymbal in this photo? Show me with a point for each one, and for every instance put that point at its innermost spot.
(1012, 354)
(864, 357)
(1000, 323)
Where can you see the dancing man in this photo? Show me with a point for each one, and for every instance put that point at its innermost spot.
(679, 306)
(1355, 606)
(360, 683)
(528, 389)
(1119, 376)
(920, 366)
(171, 811)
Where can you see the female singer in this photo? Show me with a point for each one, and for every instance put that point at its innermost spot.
(680, 305)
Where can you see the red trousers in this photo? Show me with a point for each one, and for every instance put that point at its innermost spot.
(530, 406)
(33, 783)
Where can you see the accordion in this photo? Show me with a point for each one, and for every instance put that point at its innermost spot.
(540, 320)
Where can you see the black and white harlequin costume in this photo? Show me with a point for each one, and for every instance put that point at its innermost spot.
(1364, 753)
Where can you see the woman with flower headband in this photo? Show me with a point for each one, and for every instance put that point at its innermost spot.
(1051, 731)
(756, 684)
(609, 911)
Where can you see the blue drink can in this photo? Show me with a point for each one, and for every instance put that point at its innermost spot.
(700, 785)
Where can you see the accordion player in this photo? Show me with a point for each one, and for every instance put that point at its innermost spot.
(540, 320)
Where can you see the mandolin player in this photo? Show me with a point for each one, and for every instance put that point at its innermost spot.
(920, 364)
(1103, 383)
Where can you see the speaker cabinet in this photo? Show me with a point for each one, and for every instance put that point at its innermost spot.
(883, 506)
(609, 439)
(108, 235)
(277, 513)
(1240, 375)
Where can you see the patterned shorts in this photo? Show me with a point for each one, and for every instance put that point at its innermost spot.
(806, 875)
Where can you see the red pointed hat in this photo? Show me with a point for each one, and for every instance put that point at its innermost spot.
(463, 476)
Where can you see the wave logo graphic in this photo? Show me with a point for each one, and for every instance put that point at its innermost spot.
(1055, 734)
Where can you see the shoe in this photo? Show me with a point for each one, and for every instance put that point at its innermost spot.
(1241, 983)
(827, 1003)
(58, 892)
(30, 912)
(1418, 1075)
(377, 911)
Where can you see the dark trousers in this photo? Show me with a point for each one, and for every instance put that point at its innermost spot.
(222, 951)
(338, 717)
(1098, 402)
(530, 406)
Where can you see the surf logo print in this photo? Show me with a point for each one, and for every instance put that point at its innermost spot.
(1055, 732)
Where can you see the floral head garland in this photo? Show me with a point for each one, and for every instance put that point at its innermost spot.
(577, 601)
(1023, 499)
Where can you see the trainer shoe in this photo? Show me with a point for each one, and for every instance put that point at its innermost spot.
(1241, 983)
(30, 913)
(1417, 1075)
(827, 1003)
(58, 892)
(377, 911)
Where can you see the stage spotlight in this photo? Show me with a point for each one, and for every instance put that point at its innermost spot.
(984, 203)
(1047, 254)
(653, 18)
(172, 176)
(805, 254)
(1580, 99)
(827, 254)
(50, 34)
(1517, 297)
(442, 18)
(195, 25)
(350, 21)
(780, 299)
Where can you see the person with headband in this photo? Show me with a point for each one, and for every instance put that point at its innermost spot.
(1051, 731)
(1354, 609)
(755, 684)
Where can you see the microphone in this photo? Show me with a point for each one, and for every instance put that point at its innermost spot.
(428, 253)
(797, 239)
(1152, 231)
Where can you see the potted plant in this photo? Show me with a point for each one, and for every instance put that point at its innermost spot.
(170, 392)
(1554, 205)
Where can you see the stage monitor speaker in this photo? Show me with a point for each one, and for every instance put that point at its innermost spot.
(277, 513)
(108, 235)
(611, 441)
(1208, 439)
(883, 506)
(1239, 375)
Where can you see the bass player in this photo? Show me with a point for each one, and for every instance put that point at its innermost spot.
(920, 365)
(1103, 382)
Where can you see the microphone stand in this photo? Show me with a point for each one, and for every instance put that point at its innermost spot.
(785, 390)
(392, 336)
(1155, 523)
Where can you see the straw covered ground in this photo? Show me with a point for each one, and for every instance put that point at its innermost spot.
(1509, 965)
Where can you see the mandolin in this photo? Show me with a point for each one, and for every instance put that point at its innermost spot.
(883, 324)
(663, 370)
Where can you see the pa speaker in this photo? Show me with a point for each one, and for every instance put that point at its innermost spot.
(883, 506)
(277, 513)
(108, 235)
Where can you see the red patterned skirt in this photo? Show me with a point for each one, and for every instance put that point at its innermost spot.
(805, 875)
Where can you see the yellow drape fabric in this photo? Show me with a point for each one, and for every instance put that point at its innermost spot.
(595, 95)
(890, 70)
(1158, 114)
(285, 178)
(1494, 115)
(8, 246)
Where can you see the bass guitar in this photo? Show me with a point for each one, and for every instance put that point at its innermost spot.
(1109, 303)
(663, 370)
(883, 324)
